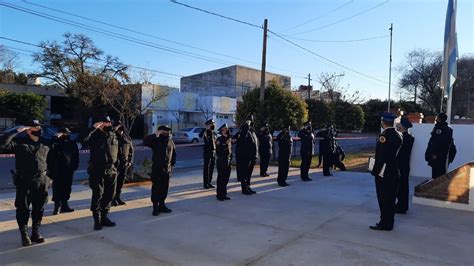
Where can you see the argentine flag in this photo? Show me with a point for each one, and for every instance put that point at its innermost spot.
(450, 55)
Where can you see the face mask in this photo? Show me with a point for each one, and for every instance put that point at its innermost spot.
(108, 128)
(213, 127)
(37, 133)
(66, 137)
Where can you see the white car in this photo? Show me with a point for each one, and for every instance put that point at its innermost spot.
(188, 135)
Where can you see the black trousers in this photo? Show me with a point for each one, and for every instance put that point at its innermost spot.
(264, 161)
(283, 168)
(121, 176)
(403, 188)
(208, 168)
(103, 191)
(223, 175)
(386, 188)
(340, 165)
(244, 172)
(305, 165)
(438, 168)
(160, 185)
(62, 185)
(327, 163)
(34, 192)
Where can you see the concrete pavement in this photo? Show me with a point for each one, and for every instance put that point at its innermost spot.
(324, 222)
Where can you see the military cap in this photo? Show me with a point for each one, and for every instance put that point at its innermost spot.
(65, 130)
(164, 128)
(104, 118)
(443, 116)
(388, 117)
(249, 118)
(33, 123)
(307, 123)
(210, 121)
(223, 126)
(118, 123)
(406, 123)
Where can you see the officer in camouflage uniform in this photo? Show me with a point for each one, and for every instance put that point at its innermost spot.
(102, 170)
(224, 159)
(125, 157)
(209, 153)
(31, 177)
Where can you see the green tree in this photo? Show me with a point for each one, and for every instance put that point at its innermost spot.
(22, 106)
(320, 113)
(281, 108)
(348, 116)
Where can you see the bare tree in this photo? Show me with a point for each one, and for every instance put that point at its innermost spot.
(176, 105)
(9, 59)
(331, 83)
(143, 76)
(206, 106)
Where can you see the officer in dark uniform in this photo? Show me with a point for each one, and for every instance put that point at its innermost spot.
(404, 166)
(385, 171)
(224, 159)
(327, 148)
(339, 156)
(102, 170)
(440, 146)
(209, 137)
(125, 157)
(31, 180)
(285, 146)
(265, 142)
(307, 150)
(164, 159)
(61, 169)
(246, 153)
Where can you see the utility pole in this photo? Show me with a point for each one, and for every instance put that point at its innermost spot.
(309, 86)
(264, 61)
(390, 68)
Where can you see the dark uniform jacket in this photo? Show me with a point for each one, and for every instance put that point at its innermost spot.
(265, 144)
(164, 153)
(440, 143)
(339, 153)
(246, 144)
(386, 150)
(224, 150)
(103, 152)
(405, 151)
(327, 145)
(65, 156)
(31, 158)
(209, 137)
(307, 142)
(285, 146)
(125, 155)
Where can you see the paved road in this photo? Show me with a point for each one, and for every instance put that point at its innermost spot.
(188, 156)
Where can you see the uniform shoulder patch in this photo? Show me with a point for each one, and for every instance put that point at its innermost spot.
(382, 139)
(438, 131)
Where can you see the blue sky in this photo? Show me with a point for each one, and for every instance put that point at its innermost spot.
(417, 24)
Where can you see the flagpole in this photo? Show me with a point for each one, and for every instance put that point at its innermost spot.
(390, 69)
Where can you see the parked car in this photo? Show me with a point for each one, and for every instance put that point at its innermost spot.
(188, 135)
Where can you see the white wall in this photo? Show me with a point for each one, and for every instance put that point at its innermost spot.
(463, 138)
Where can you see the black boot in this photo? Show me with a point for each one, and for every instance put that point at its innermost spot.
(156, 210)
(57, 204)
(25, 238)
(65, 207)
(97, 220)
(119, 201)
(105, 220)
(163, 208)
(35, 234)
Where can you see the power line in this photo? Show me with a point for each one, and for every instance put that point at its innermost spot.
(139, 41)
(216, 14)
(321, 16)
(325, 58)
(339, 41)
(342, 20)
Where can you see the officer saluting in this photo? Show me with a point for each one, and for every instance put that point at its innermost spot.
(164, 159)
(30, 179)
(246, 153)
(265, 146)
(404, 166)
(102, 170)
(440, 147)
(209, 137)
(385, 171)
(125, 160)
(285, 146)
(224, 158)
(307, 150)
(61, 169)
